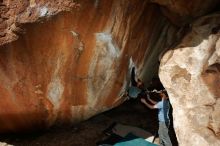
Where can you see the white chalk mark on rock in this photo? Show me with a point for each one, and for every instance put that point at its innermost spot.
(43, 11)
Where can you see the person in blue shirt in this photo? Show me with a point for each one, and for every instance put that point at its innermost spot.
(136, 89)
(163, 116)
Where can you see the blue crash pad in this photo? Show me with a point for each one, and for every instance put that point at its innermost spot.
(132, 140)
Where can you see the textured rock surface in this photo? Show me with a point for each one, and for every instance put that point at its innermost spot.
(15, 13)
(181, 12)
(5, 144)
(73, 65)
(190, 73)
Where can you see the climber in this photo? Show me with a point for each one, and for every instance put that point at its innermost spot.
(163, 116)
(135, 83)
(136, 89)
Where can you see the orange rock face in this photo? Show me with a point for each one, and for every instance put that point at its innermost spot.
(65, 61)
(73, 65)
(15, 13)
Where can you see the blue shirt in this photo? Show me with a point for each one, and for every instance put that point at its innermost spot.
(163, 114)
(133, 91)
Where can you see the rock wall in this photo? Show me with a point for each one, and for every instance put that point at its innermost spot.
(181, 12)
(65, 61)
(190, 73)
(15, 13)
(71, 66)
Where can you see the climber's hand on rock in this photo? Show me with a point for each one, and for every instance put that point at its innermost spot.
(143, 100)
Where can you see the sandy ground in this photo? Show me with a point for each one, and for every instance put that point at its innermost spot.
(89, 132)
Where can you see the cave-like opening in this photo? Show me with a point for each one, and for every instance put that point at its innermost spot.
(58, 69)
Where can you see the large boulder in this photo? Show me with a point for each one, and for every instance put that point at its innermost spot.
(71, 66)
(191, 74)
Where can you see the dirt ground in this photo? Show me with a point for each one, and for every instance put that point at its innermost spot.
(89, 132)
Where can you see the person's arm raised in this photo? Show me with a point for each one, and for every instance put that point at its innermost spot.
(152, 101)
(148, 105)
